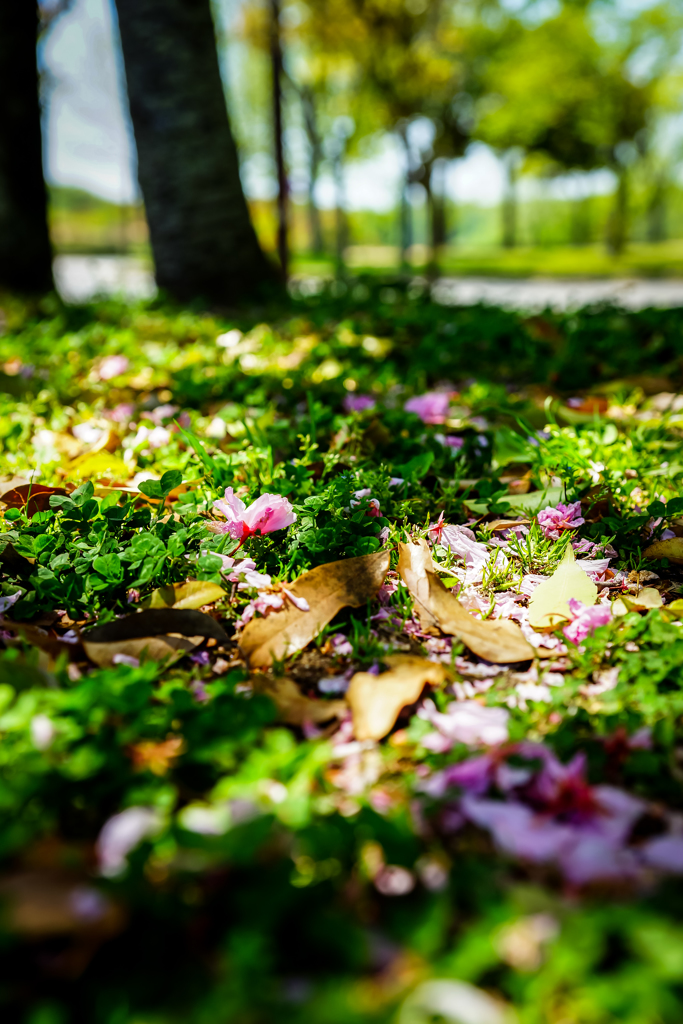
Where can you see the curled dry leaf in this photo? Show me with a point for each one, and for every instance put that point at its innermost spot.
(549, 604)
(293, 706)
(327, 589)
(376, 701)
(193, 594)
(497, 640)
(671, 549)
(158, 633)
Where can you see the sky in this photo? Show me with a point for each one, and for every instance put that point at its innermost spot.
(89, 143)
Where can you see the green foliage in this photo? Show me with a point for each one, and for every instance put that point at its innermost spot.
(253, 895)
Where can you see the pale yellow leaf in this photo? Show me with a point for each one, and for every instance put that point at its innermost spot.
(671, 549)
(643, 601)
(193, 594)
(376, 701)
(549, 604)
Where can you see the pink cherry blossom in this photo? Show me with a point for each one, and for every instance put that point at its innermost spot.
(112, 366)
(431, 407)
(269, 512)
(243, 573)
(373, 508)
(358, 403)
(121, 834)
(450, 440)
(585, 620)
(120, 413)
(464, 722)
(554, 521)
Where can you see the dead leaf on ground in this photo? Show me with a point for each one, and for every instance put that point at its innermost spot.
(33, 497)
(192, 594)
(377, 701)
(327, 589)
(159, 634)
(41, 904)
(505, 524)
(156, 756)
(293, 706)
(497, 640)
(643, 601)
(549, 604)
(671, 549)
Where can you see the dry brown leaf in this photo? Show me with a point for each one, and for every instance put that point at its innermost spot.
(155, 648)
(193, 594)
(497, 640)
(376, 701)
(157, 633)
(505, 524)
(671, 549)
(33, 497)
(293, 706)
(158, 757)
(327, 589)
(41, 904)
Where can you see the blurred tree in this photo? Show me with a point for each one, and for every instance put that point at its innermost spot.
(202, 238)
(25, 252)
(554, 90)
(409, 64)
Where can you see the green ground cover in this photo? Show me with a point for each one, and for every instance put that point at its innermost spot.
(402, 742)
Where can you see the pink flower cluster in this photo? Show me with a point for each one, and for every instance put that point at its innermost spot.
(548, 812)
(269, 512)
(432, 407)
(373, 508)
(585, 620)
(554, 521)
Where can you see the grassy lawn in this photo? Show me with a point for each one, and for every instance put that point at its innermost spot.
(341, 663)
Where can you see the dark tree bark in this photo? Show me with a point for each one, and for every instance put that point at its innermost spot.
(315, 156)
(657, 210)
(25, 253)
(202, 239)
(282, 183)
(509, 204)
(617, 223)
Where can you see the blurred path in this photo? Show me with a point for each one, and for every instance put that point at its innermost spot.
(558, 292)
(80, 278)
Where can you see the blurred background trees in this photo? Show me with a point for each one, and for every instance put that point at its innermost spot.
(573, 115)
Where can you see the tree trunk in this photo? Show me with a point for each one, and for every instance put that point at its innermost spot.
(509, 205)
(580, 221)
(435, 184)
(314, 160)
(202, 239)
(617, 224)
(282, 185)
(342, 232)
(406, 212)
(656, 211)
(25, 253)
